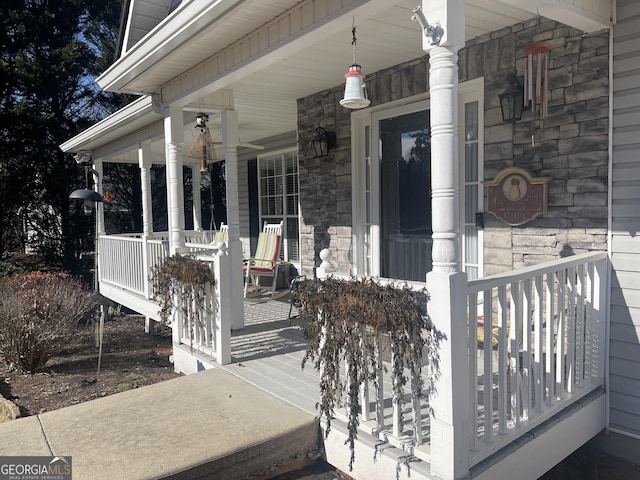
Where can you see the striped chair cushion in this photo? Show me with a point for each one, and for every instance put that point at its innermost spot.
(222, 235)
(266, 252)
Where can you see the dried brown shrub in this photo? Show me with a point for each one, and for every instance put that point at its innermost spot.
(348, 320)
(37, 310)
(179, 284)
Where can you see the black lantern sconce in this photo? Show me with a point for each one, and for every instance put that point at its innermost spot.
(324, 142)
(512, 100)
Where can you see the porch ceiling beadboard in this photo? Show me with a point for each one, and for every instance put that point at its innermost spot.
(268, 53)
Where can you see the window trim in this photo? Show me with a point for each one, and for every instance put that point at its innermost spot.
(285, 234)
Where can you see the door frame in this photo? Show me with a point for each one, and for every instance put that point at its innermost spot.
(365, 156)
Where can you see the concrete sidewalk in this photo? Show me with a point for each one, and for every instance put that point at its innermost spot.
(206, 425)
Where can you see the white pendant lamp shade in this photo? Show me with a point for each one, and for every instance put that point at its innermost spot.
(355, 92)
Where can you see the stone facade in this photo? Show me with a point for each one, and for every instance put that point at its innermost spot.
(570, 146)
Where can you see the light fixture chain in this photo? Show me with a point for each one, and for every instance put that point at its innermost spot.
(353, 42)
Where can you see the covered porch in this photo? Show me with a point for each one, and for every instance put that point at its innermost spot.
(524, 399)
(522, 374)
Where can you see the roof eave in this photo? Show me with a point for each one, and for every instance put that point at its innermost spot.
(121, 118)
(176, 30)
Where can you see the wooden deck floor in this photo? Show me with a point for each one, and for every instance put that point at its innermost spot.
(268, 353)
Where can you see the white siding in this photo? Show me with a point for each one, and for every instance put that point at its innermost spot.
(625, 295)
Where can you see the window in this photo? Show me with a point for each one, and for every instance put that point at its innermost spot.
(278, 198)
(472, 195)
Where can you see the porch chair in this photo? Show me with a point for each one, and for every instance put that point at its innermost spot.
(222, 235)
(265, 262)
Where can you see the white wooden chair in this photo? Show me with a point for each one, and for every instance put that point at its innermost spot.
(265, 262)
(222, 235)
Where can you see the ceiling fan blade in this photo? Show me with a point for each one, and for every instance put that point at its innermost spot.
(251, 145)
(244, 144)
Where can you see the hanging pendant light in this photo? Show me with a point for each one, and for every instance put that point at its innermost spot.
(355, 91)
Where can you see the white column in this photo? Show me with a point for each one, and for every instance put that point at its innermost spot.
(447, 286)
(144, 162)
(445, 196)
(230, 142)
(174, 139)
(196, 177)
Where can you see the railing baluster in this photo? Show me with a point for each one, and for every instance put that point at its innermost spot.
(590, 332)
(580, 298)
(488, 368)
(538, 344)
(416, 409)
(571, 329)
(396, 402)
(472, 317)
(561, 334)
(549, 338)
(527, 309)
(502, 359)
(379, 386)
(365, 408)
(515, 329)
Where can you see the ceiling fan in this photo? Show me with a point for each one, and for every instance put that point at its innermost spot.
(203, 146)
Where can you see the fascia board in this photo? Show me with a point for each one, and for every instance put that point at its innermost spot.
(166, 37)
(121, 118)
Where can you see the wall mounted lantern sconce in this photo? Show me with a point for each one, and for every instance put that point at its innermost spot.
(324, 142)
(512, 100)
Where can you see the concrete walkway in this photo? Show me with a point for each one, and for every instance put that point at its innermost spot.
(206, 425)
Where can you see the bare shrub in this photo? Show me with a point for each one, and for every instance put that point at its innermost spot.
(36, 311)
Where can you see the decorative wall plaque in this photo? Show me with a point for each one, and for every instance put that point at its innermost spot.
(517, 197)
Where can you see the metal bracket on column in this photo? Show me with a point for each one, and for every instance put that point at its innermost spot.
(433, 32)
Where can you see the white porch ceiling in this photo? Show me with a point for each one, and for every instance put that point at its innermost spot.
(266, 98)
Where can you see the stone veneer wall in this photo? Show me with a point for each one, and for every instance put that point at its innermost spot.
(571, 146)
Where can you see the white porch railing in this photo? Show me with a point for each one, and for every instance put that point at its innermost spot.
(545, 349)
(543, 346)
(209, 331)
(121, 262)
(128, 261)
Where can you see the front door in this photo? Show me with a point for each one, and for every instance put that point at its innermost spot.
(391, 173)
(404, 161)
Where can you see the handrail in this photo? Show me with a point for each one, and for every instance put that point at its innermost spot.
(506, 278)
